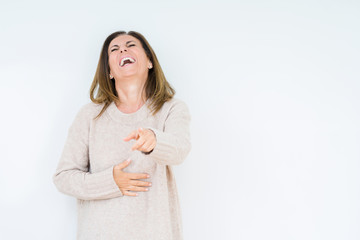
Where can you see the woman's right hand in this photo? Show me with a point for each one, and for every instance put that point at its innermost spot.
(127, 181)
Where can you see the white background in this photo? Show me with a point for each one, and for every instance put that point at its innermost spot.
(273, 90)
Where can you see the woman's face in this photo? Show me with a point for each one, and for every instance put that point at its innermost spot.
(127, 58)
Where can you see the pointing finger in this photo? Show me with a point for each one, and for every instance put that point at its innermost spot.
(141, 131)
(138, 144)
(133, 135)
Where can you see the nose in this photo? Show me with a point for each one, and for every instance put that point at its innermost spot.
(123, 49)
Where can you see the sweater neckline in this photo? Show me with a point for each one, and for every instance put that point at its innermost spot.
(128, 118)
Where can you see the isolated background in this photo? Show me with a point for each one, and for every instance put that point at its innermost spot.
(272, 86)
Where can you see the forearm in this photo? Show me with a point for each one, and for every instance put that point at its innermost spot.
(171, 148)
(85, 185)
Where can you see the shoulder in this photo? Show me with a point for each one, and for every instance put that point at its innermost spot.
(84, 116)
(88, 110)
(91, 107)
(175, 107)
(176, 103)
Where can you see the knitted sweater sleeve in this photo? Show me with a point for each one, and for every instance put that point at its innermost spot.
(72, 176)
(173, 141)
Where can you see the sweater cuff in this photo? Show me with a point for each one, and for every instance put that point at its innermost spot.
(103, 183)
(162, 149)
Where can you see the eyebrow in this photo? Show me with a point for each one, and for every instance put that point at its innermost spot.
(118, 45)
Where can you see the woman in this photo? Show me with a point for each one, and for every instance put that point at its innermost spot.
(134, 117)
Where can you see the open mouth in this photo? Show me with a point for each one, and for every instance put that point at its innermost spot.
(126, 61)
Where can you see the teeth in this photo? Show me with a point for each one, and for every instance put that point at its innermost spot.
(126, 58)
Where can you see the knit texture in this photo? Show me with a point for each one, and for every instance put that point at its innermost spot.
(94, 147)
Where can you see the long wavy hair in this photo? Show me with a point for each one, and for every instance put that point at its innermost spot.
(157, 88)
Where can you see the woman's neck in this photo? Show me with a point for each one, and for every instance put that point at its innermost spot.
(131, 95)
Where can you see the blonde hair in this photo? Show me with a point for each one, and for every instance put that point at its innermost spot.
(157, 88)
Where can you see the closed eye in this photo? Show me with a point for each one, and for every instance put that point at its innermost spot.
(131, 45)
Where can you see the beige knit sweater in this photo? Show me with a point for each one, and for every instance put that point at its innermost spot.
(94, 147)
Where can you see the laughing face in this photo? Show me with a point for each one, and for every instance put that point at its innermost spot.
(127, 59)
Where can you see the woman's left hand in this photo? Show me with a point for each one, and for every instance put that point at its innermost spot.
(145, 140)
